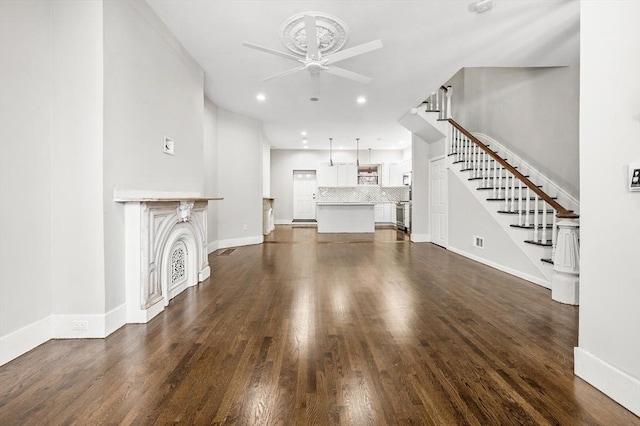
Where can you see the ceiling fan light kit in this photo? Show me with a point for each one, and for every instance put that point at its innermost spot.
(315, 40)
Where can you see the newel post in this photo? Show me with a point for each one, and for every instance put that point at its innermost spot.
(565, 281)
(449, 94)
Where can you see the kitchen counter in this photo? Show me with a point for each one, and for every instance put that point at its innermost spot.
(334, 217)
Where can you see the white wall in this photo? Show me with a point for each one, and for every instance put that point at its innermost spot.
(608, 355)
(469, 218)
(266, 166)
(25, 169)
(52, 236)
(532, 111)
(420, 190)
(77, 233)
(239, 179)
(284, 162)
(210, 135)
(152, 88)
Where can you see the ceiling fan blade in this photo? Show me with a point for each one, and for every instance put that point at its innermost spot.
(348, 74)
(312, 37)
(272, 51)
(283, 73)
(353, 51)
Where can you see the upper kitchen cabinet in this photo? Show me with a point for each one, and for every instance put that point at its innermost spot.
(326, 175)
(347, 174)
(340, 174)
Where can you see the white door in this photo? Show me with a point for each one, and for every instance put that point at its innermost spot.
(438, 201)
(304, 194)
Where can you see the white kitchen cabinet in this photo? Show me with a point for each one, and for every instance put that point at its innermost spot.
(326, 175)
(385, 213)
(378, 213)
(347, 174)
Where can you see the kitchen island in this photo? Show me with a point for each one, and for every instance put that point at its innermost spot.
(341, 217)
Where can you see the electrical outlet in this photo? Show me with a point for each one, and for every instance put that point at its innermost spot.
(244, 227)
(80, 325)
(478, 241)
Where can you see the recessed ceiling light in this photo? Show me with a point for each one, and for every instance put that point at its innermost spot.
(341, 147)
(303, 133)
(361, 99)
(306, 147)
(261, 97)
(304, 141)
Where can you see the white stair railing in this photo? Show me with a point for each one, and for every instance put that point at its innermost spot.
(518, 194)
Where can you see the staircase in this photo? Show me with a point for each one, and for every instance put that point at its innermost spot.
(545, 229)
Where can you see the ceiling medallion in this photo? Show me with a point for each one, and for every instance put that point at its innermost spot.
(332, 33)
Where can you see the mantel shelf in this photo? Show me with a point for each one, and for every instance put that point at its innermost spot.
(163, 199)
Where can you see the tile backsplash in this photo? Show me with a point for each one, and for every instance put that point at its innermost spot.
(362, 194)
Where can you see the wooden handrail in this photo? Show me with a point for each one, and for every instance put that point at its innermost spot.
(561, 211)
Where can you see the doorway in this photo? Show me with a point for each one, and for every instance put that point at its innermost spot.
(304, 195)
(438, 201)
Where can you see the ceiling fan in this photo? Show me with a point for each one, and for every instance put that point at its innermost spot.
(315, 39)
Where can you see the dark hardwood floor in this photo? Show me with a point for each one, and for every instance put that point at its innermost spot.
(324, 329)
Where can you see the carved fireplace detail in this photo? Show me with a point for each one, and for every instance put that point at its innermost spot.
(165, 250)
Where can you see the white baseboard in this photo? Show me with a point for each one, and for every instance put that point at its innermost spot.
(420, 238)
(23, 340)
(510, 271)
(213, 246)
(618, 385)
(237, 242)
(114, 319)
(62, 326)
(283, 221)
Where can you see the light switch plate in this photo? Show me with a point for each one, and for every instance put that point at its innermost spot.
(168, 145)
(634, 177)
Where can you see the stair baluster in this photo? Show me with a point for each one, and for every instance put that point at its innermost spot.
(513, 194)
(536, 219)
(495, 179)
(527, 209)
(467, 155)
(554, 235)
(506, 189)
(519, 205)
(543, 238)
(485, 169)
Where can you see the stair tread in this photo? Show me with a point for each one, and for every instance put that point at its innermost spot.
(550, 261)
(549, 211)
(516, 199)
(548, 243)
(484, 188)
(530, 226)
(471, 170)
(491, 177)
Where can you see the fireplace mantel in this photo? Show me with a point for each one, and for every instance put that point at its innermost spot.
(165, 248)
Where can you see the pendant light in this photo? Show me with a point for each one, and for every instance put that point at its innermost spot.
(357, 149)
(330, 152)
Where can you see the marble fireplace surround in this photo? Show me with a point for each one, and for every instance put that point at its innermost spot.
(165, 248)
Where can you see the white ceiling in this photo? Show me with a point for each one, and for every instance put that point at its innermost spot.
(425, 43)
